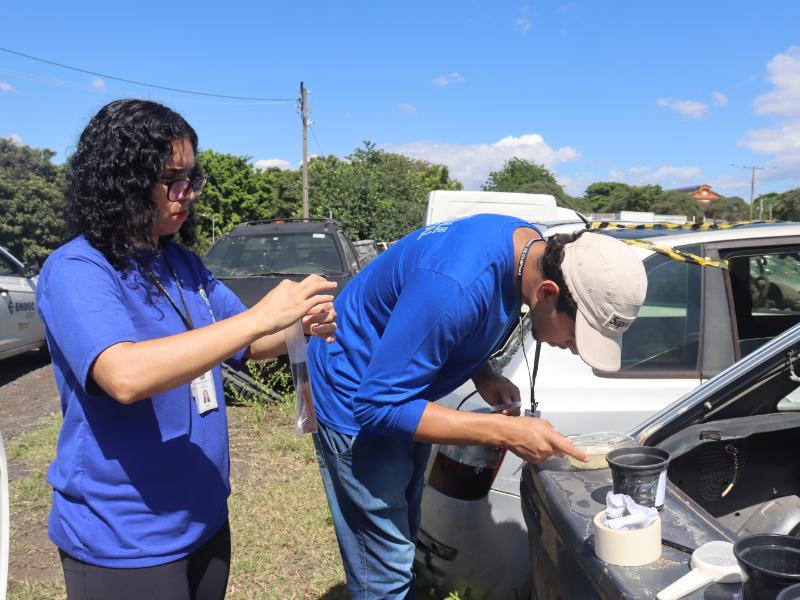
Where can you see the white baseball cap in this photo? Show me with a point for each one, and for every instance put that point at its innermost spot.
(609, 285)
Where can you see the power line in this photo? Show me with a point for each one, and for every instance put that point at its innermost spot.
(316, 141)
(150, 85)
(61, 83)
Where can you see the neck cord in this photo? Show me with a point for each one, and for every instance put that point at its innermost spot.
(531, 375)
(187, 317)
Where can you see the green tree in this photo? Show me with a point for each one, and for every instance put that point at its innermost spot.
(374, 194)
(602, 194)
(677, 203)
(525, 176)
(787, 206)
(762, 205)
(237, 192)
(629, 197)
(730, 209)
(31, 202)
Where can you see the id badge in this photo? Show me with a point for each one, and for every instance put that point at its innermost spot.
(204, 392)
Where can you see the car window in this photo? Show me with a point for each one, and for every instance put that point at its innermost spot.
(765, 287)
(664, 337)
(280, 253)
(349, 254)
(7, 267)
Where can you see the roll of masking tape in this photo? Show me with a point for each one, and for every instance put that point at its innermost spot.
(627, 548)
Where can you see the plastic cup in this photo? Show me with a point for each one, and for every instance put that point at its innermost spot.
(640, 473)
(769, 563)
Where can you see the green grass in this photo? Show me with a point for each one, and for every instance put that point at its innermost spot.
(284, 544)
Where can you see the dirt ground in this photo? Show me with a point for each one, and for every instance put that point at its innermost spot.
(28, 397)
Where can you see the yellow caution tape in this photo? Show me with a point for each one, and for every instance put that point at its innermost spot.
(678, 254)
(595, 225)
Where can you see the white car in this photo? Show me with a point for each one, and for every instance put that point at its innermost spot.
(21, 329)
(696, 321)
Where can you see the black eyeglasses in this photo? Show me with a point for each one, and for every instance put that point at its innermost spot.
(177, 189)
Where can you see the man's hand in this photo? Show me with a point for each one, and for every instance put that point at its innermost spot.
(321, 322)
(497, 390)
(290, 301)
(534, 440)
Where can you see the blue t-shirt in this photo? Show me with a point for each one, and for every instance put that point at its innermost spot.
(418, 322)
(141, 484)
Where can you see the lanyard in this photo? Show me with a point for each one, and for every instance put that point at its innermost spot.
(531, 376)
(186, 318)
(523, 257)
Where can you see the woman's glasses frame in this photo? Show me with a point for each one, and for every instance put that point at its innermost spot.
(177, 193)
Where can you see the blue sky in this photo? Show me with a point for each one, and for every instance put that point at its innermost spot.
(667, 92)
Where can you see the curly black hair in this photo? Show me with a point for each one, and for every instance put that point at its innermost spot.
(550, 267)
(120, 157)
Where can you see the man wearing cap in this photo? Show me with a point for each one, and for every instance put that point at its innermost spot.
(418, 322)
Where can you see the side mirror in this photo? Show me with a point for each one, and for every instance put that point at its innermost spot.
(29, 271)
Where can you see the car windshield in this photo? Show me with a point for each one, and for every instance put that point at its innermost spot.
(275, 254)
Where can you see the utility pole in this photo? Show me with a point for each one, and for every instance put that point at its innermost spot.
(303, 110)
(753, 170)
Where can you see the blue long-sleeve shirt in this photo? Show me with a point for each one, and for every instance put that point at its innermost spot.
(418, 322)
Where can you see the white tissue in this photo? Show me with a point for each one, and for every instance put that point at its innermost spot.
(623, 514)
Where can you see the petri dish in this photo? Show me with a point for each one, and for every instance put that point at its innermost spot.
(596, 446)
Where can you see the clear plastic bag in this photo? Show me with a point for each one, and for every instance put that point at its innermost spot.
(305, 419)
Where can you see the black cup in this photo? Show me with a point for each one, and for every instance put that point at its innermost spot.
(769, 563)
(637, 472)
(790, 593)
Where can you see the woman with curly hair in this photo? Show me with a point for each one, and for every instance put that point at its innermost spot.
(137, 328)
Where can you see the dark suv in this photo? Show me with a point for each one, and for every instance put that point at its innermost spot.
(255, 256)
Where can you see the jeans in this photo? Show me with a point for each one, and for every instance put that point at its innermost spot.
(374, 490)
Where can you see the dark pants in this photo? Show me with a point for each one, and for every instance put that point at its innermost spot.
(201, 575)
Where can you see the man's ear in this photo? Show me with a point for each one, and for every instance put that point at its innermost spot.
(547, 291)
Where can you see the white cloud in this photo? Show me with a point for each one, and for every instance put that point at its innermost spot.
(720, 99)
(472, 163)
(6, 87)
(780, 143)
(784, 74)
(688, 108)
(269, 163)
(667, 176)
(523, 24)
(444, 80)
(576, 185)
(99, 84)
(407, 108)
(783, 140)
(783, 144)
(15, 139)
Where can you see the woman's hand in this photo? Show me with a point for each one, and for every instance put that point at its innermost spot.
(321, 322)
(291, 301)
